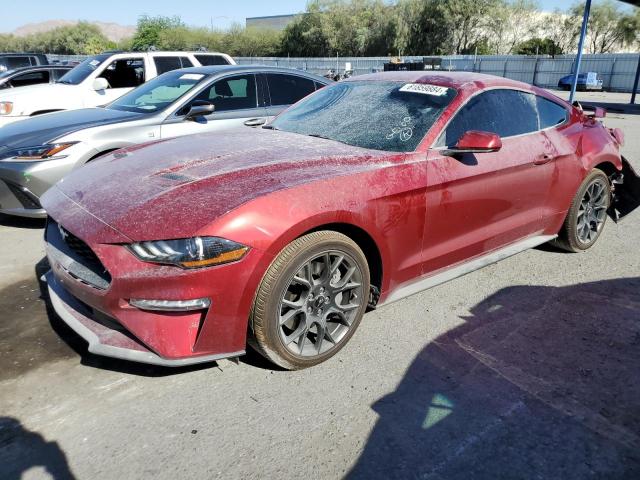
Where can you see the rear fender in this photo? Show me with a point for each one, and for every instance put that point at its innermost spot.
(626, 192)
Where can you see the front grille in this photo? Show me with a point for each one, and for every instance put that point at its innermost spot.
(24, 196)
(82, 262)
(81, 248)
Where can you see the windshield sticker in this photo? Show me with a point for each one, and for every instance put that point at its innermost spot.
(404, 131)
(424, 89)
(94, 63)
(191, 76)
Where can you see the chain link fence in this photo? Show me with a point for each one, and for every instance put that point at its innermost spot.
(617, 71)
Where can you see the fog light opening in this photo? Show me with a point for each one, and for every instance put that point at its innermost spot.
(171, 305)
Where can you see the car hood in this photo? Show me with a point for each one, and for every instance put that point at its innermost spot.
(173, 188)
(33, 93)
(43, 129)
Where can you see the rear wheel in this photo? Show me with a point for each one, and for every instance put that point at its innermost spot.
(587, 215)
(311, 300)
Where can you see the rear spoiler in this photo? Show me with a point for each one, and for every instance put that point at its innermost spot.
(590, 111)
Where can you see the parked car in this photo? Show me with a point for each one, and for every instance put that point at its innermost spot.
(586, 81)
(366, 191)
(99, 80)
(11, 61)
(36, 153)
(25, 76)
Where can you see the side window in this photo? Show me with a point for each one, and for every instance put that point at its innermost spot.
(505, 112)
(58, 73)
(30, 78)
(186, 62)
(206, 60)
(166, 64)
(288, 89)
(124, 73)
(17, 62)
(232, 93)
(550, 113)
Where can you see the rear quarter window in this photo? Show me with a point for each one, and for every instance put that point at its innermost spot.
(550, 113)
(207, 60)
(288, 89)
(166, 64)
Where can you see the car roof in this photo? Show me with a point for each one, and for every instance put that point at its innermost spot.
(217, 69)
(40, 67)
(457, 80)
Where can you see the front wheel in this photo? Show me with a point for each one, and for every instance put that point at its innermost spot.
(311, 300)
(587, 213)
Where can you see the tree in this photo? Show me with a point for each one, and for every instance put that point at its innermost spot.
(509, 22)
(562, 28)
(538, 46)
(149, 29)
(423, 28)
(608, 27)
(468, 20)
(306, 36)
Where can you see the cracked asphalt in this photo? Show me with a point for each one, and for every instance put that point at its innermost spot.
(527, 369)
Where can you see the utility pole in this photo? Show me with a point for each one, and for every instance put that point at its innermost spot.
(583, 33)
(635, 83)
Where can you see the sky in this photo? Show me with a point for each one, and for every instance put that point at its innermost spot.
(219, 13)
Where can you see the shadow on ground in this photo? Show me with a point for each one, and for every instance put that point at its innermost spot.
(540, 382)
(611, 107)
(21, 222)
(22, 450)
(32, 334)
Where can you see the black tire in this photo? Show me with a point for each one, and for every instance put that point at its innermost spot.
(266, 331)
(568, 238)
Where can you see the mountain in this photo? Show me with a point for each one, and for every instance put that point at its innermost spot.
(113, 31)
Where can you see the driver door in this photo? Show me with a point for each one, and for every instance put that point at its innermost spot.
(122, 75)
(238, 102)
(481, 202)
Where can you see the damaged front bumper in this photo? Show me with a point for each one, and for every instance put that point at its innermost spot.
(626, 192)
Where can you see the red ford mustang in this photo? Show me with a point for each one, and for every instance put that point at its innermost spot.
(182, 251)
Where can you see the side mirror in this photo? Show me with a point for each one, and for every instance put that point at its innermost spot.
(199, 108)
(100, 84)
(475, 141)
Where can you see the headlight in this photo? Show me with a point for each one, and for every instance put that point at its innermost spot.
(40, 152)
(189, 252)
(6, 107)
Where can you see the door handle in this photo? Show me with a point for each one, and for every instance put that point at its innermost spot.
(542, 159)
(255, 122)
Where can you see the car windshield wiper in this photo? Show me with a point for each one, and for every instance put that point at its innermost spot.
(317, 135)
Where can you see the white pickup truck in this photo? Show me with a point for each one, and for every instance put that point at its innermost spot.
(99, 80)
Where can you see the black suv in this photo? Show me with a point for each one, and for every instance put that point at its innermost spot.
(11, 61)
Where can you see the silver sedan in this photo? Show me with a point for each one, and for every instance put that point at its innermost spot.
(37, 152)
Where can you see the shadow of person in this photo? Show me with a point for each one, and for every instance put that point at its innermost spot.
(539, 382)
(22, 450)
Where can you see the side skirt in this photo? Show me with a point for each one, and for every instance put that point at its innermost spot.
(452, 273)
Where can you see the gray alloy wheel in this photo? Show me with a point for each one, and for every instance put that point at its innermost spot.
(592, 212)
(310, 301)
(320, 303)
(587, 214)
